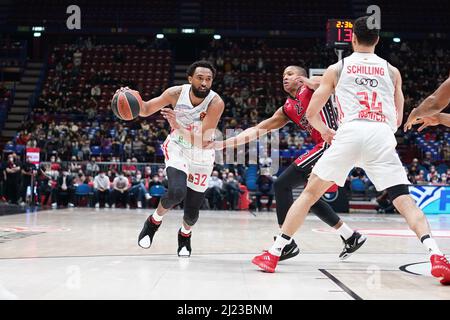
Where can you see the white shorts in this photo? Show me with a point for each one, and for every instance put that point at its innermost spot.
(197, 163)
(365, 144)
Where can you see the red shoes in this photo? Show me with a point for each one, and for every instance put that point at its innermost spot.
(266, 261)
(440, 268)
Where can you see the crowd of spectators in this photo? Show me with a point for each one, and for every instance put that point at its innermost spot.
(73, 126)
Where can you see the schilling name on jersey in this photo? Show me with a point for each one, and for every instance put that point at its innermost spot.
(368, 70)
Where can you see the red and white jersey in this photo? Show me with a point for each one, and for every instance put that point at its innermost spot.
(295, 109)
(365, 90)
(188, 116)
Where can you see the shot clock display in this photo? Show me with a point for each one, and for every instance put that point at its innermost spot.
(339, 32)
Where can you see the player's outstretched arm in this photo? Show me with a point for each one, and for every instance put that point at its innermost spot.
(440, 118)
(318, 100)
(277, 121)
(168, 97)
(432, 105)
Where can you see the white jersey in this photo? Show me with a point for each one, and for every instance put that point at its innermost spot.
(188, 116)
(365, 90)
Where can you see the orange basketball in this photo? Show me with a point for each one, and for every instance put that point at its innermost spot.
(126, 104)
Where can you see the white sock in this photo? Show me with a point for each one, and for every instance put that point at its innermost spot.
(432, 246)
(345, 231)
(184, 230)
(278, 245)
(157, 217)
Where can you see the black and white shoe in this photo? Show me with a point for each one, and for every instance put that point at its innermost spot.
(352, 244)
(184, 245)
(289, 251)
(148, 231)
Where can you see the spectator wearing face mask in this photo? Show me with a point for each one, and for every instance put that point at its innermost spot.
(101, 189)
(12, 178)
(214, 191)
(120, 191)
(65, 190)
(138, 189)
(232, 191)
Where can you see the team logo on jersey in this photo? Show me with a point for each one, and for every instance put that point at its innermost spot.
(202, 115)
(191, 178)
(298, 107)
(366, 81)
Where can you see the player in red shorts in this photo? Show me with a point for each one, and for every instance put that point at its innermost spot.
(300, 89)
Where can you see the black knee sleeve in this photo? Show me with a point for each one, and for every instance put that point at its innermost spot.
(325, 212)
(172, 197)
(191, 216)
(397, 191)
(291, 178)
(192, 205)
(176, 191)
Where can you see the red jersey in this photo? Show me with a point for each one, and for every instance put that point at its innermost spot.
(295, 108)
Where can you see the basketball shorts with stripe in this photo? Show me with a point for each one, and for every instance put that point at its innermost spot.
(365, 144)
(197, 163)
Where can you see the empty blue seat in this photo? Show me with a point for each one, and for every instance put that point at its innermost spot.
(20, 148)
(157, 191)
(96, 151)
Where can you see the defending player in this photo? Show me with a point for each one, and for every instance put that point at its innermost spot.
(370, 99)
(195, 115)
(299, 89)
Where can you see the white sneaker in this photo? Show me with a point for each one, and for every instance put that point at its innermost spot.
(113, 206)
(71, 205)
(22, 203)
(128, 206)
(139, 204)
(97, 205)
(148, 196)
(54, 205)
(106, 205)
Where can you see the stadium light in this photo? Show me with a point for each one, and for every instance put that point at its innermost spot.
(188, 30)
(159, 36)
(396, 40)
(217, 37)
(36, 34)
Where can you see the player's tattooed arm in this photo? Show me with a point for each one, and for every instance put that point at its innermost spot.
(168, 97)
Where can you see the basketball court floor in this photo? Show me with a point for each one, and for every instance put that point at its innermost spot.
(82, 253)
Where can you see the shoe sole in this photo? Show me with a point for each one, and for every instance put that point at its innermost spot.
(263, 266)
(184, 253)
(347, 255)
(144, 247)
(290, 255)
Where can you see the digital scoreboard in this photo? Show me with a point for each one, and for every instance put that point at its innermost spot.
(339, 32)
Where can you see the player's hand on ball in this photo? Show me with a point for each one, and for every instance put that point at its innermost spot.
(328, 135)
(170, 116)
(122, 89)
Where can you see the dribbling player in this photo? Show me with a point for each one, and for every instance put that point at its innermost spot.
(370, 101)
(299, 90)
(195, 115)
